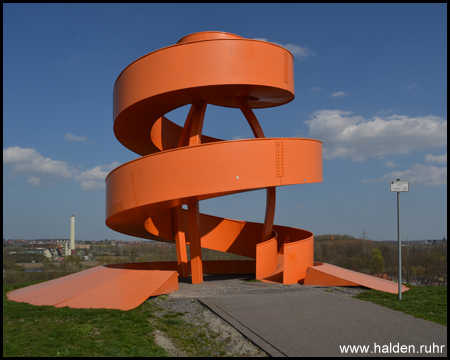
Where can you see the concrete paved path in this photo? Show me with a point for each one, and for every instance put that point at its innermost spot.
(318, 323)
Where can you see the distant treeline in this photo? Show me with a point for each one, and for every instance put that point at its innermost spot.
(332, 237)
(18, 256)
(422, 264)
(152, 251)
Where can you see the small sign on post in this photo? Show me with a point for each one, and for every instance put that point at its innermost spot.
(398, 187)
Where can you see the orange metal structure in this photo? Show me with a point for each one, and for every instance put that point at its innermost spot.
(180, 165)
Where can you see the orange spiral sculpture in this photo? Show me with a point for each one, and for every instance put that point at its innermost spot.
(182, 166)
(144, 197)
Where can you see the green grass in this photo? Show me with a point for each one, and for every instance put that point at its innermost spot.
(425, 302)
(30, 330)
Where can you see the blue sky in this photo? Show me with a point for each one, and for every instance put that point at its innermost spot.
(370, 83)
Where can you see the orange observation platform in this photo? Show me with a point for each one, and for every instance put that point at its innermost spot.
(182, 166)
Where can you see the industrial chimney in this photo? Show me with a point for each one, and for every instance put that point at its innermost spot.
(72, 233)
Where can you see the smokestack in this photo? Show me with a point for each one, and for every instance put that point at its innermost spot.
(72, 233)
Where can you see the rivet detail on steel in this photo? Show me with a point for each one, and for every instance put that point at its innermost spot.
(286, 68)
(280, 158)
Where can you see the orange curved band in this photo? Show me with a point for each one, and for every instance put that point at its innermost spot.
(182, 166)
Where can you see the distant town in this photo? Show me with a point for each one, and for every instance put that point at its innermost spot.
(58, 249)
(22, 242)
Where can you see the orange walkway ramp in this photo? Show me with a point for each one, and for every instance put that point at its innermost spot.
(330, 275)
(101, 287)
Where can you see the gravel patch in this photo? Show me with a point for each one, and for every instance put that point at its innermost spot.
(234, 342)
(349, 291)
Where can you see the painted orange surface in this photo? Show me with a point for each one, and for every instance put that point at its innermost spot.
(101, 287)
(182, 166)
(266, 258)
(330, 275)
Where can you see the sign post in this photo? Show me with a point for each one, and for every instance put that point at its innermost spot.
(398, 187)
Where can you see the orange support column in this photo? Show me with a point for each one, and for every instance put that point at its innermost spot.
(250, 116)
(196, 123)
(195, 138)
(180, 241)
(270, 214)
(194, 239)
(270, 193)
(184, 137)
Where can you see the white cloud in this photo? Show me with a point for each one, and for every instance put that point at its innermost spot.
(41, 171)
(385, 112)
(340, 94)
(345, 136)
(71, 137)
(296, 50)
(389, 163)
(18, 154)
(316, 88)
(418, 174)
(94, 178)
(439, 159)
(34, 181)
(411, 86)
(93, 174)
(91, 185)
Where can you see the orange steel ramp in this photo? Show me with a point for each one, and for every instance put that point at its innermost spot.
(330, 275)
(101, 287)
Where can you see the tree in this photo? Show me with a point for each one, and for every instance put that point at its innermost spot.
(377, 262)
(78, 261)
(133, 254)
(355, 263)
(64, 263)
(47, 265)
